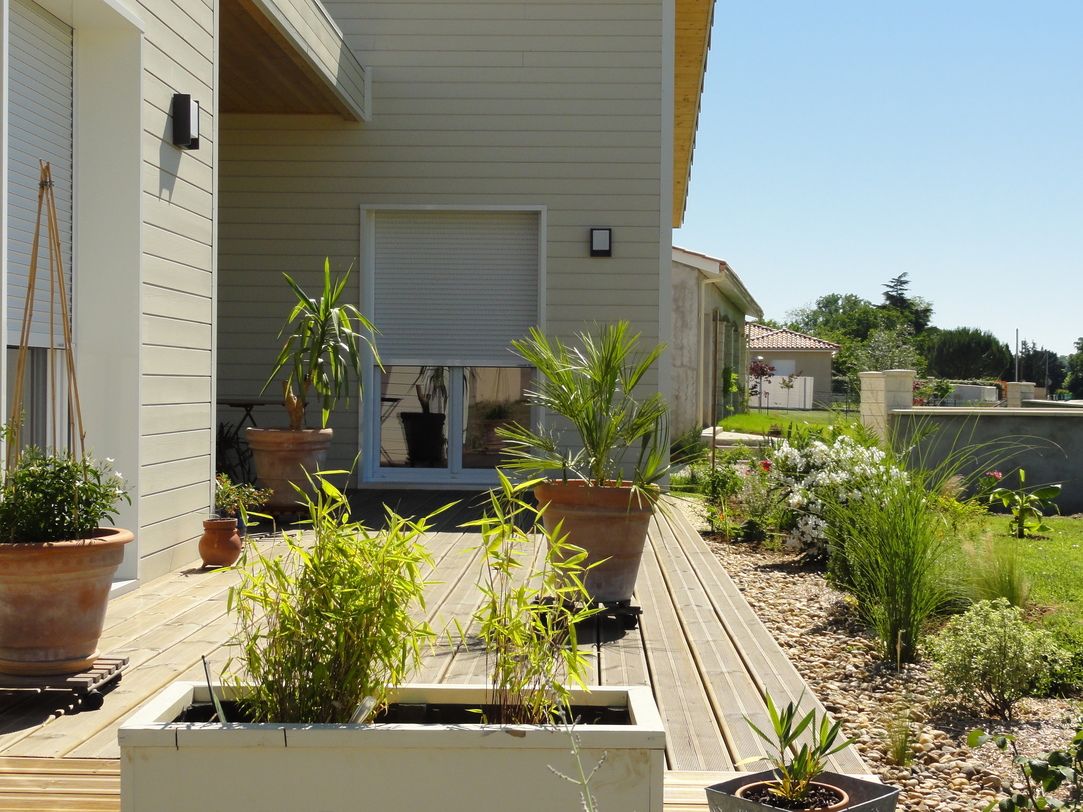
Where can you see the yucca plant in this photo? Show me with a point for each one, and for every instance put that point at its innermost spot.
(592, 386)
(322, 348)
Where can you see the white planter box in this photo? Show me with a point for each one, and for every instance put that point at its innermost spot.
(167, 766)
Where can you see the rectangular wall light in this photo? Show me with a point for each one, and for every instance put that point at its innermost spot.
(185, 112)
(601, 242)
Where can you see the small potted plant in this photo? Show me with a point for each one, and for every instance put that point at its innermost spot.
(323, 350)
(223, 533)
(800, 779)
(57, 559)
(604, 489)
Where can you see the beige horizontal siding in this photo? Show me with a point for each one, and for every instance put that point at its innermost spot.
(555, 104)
(176, 418)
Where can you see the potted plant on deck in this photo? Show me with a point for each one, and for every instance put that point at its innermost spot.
(800, 780)
(605, 487)
(57, 560)
(324, 347)
(331, 634)
(223, 534)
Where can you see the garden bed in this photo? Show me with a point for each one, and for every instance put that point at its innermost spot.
(816, 627)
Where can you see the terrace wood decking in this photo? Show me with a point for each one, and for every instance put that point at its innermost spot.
(699, 645)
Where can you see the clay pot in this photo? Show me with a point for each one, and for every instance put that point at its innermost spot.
(609, 523)
(53, 597)
(282, 456)
(220, 544)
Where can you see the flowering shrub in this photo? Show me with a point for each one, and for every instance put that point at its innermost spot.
(52, 497)
(841, 471)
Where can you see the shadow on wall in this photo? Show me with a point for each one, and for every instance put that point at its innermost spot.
(1047, 443)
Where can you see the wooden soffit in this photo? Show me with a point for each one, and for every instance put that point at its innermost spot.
(694, 19)
(287, 56)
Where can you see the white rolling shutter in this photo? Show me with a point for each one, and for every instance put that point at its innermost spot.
(454, 287)
(39, 128)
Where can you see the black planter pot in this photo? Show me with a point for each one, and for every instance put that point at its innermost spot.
(424, 432)
(865, 796)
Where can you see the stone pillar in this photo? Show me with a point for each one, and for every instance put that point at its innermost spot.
(1018, 391)
(881, 393)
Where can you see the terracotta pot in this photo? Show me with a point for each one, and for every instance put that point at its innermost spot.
(281, 457)
(53, 597)
(609, 523)
(835, 807)
(220, 544)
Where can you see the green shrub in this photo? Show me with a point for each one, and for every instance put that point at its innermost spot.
(332, 623)
(893, 554)
(52, 497)
(687, 448)
(996, 571)
(989, 655)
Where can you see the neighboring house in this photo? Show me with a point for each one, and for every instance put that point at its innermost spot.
(793, 353)
(710, 305)
(456, 154)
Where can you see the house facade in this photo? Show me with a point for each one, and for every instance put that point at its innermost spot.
(710, 306)
(455, 156)
(795, 354)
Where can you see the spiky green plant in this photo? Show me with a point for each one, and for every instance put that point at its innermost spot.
(324, 339)
(592, 386)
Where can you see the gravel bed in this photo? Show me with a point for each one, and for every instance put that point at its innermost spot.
(815, 626)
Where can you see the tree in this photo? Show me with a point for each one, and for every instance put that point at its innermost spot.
(1041, 366)
(892, 348)
(836, 316)
(911, 310)
(966, 352)
(1075, 370)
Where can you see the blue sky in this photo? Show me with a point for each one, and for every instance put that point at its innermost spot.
(842, 142)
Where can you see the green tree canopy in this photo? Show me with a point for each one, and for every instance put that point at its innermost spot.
(837, 316)
(1075, 370)
(967, 352)
(1041, 366)
(913, 311)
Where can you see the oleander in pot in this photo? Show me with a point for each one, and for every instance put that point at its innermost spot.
(800, 779)
(323, 357)
(57, 559)
(604, 475)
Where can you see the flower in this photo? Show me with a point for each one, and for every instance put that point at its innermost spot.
(994, 474)
(766, 465)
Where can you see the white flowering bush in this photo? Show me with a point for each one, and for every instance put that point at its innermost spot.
(840, 471)
(53, 497)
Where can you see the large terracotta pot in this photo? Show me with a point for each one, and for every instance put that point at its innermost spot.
(282, 456)
(609, 523)
(220, 544)
(53, 597)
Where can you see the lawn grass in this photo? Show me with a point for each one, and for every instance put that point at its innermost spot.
(755, 422)
(1054, 566)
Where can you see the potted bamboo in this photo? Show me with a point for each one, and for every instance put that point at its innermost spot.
(322, 350)
(327, 639)
(57, 560)
(604, 489)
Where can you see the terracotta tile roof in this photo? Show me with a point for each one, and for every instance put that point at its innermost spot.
(769, 338)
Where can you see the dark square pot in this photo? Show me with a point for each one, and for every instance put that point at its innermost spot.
(865, 796)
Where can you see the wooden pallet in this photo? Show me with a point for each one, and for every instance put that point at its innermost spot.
(85, 687)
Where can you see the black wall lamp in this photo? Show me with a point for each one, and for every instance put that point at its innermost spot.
(185, 112)
(601, 242)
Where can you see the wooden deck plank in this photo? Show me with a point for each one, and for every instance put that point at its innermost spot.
(730, 690)
(765, 662)
(693, 741)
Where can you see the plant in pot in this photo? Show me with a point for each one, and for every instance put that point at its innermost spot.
(57, 559)
(424, 430)
(606, 485)
(323, 349)
(327, 639)
(800, 779)
(223, 534)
